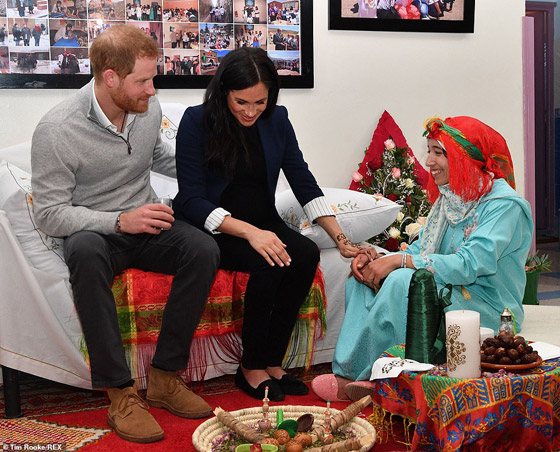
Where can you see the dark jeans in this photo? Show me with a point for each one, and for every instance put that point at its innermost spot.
(274, 294)
(94, 259)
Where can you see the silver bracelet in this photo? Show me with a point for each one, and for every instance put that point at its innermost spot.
(403, 261)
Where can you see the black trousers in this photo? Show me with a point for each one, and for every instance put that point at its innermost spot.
(274, 294)
(94, 259)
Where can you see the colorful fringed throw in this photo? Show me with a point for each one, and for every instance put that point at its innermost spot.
(140, 299)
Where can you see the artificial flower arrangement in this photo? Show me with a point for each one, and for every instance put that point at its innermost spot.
(392, 177)
(536, 263)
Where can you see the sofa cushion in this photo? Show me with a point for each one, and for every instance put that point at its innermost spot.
(360, 215)
(18, 154)
(43, 251)
(170, 119)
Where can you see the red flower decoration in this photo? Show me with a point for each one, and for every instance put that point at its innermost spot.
(375, 162)
(408, 199)
(392, 197)
(391, 245)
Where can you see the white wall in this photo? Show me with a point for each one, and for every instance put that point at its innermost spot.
(359, 74)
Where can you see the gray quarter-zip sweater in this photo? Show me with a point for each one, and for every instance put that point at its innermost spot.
(83, 174)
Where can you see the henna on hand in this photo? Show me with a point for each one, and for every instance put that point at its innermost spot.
(345, 241)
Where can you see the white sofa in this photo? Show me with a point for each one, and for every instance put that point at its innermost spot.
(40, 333)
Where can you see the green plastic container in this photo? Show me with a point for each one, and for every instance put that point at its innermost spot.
(265, 448)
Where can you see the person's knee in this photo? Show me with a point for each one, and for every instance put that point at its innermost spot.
(205, 251)
(399, 277)
(211, 250)
(307, 251)
(83, 246)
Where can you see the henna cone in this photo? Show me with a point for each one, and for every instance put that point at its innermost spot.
(237, 426)
(341, 418)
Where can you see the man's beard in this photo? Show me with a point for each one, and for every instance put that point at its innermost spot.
(127, 103)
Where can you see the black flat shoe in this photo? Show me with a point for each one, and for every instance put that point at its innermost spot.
(275, 393)
(291, 385)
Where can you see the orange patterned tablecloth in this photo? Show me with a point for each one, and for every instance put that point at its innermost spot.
(519, 413)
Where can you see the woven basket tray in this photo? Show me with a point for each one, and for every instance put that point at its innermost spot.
(211, 429)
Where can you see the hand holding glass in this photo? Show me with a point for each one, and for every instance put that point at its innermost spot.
(163, 200)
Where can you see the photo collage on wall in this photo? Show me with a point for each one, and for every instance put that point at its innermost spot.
(54, 36)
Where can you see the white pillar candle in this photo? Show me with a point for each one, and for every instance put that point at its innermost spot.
(462, 340)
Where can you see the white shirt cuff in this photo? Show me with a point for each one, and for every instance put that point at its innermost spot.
(215, 219)
(318, 207)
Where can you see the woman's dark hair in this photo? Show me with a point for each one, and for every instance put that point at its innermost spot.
(240, 69)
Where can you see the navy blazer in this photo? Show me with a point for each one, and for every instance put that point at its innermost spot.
(200, 188)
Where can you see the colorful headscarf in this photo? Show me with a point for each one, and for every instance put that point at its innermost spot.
(476, 153)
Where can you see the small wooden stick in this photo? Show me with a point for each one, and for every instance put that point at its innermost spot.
(265, 407)
(341, 418)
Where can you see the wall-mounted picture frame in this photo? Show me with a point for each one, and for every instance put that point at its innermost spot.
(45, 43)
(433, 16)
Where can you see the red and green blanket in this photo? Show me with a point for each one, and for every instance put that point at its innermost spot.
(140, 298)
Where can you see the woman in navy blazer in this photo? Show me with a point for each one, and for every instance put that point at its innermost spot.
(230, 151)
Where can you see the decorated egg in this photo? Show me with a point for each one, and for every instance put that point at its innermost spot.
(304, 438)
(282, 436)
(294, 446)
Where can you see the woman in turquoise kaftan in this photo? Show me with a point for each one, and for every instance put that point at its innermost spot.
(476, 238)
(482, 256)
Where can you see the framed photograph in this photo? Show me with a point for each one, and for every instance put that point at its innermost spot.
(434, 16)
(45, 43)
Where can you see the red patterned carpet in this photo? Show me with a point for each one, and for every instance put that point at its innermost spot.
(81, 417)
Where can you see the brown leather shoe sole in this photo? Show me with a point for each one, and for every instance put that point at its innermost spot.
(194, 415)
(356, 392)
(134, 439)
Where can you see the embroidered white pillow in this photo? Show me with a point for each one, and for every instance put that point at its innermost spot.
(44, 252)
(170, 119)
(361, 216)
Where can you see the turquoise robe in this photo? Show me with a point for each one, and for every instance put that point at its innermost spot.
(485, 254)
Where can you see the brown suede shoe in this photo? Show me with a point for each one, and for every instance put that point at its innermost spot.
(168, 390)
(129, 416)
